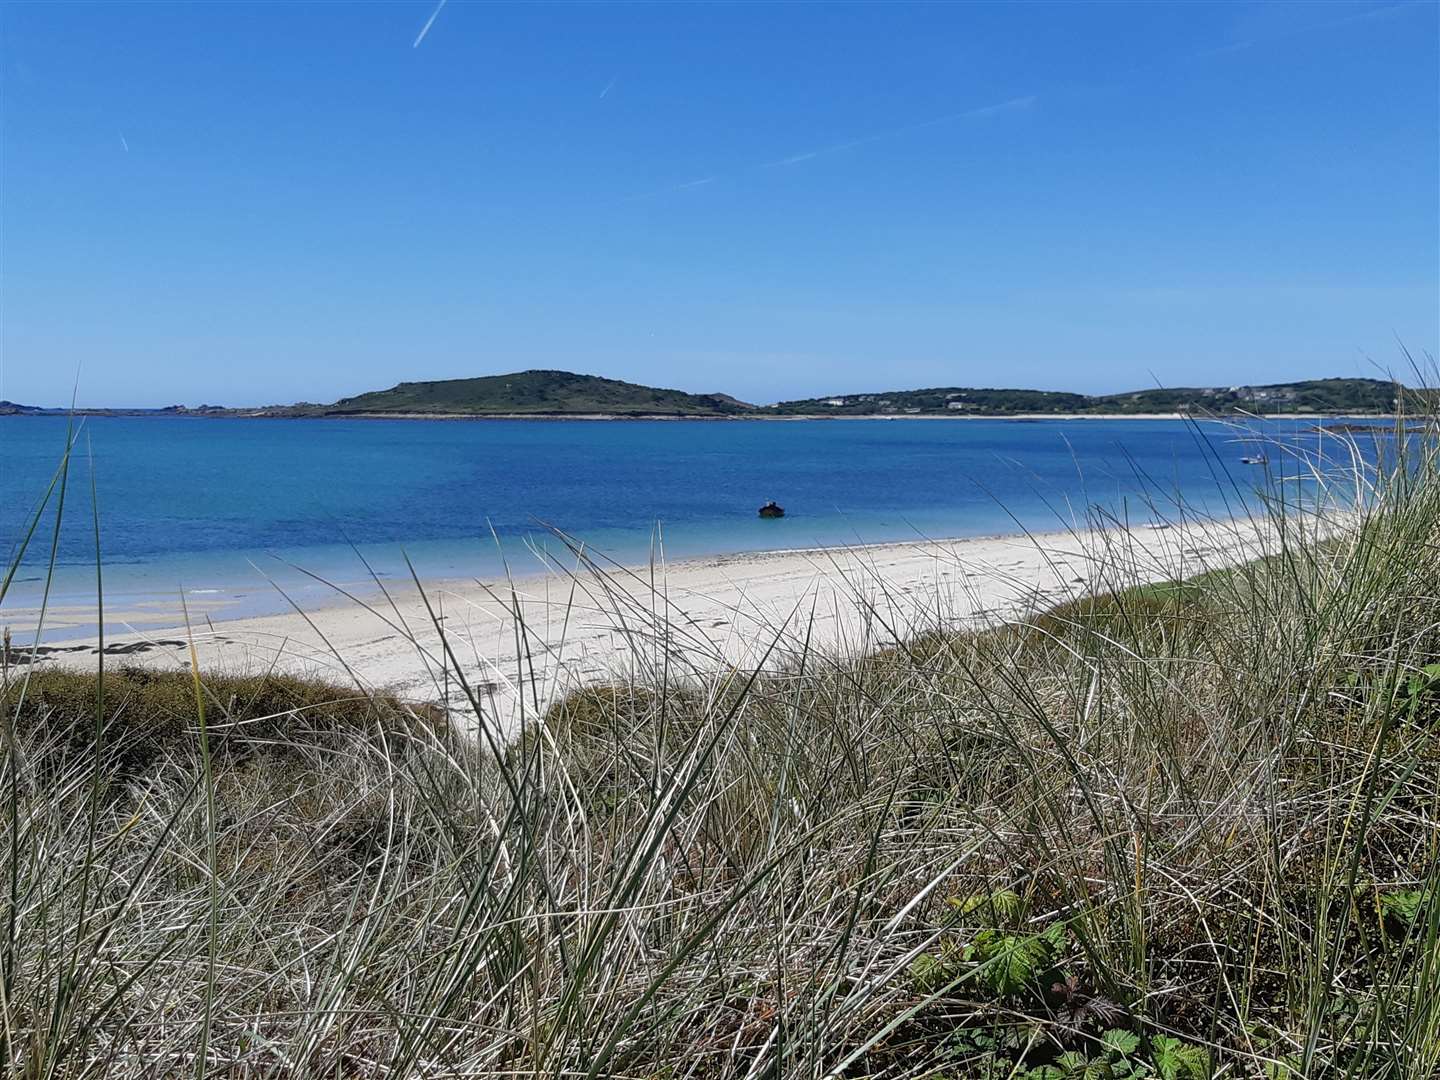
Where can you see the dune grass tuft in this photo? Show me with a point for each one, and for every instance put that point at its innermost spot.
(149, 715)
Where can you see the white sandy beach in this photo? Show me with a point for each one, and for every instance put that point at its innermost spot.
(520, 643)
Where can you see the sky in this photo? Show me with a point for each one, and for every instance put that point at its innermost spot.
(246, 204)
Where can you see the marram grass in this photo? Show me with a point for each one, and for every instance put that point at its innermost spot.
(1185, 830)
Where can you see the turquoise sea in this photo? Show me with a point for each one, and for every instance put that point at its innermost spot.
(210, 507)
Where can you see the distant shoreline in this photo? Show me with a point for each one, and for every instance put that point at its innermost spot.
(565, 395)
(245, 414)
(873, 416)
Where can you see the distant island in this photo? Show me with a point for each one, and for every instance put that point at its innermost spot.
(1320, 396)
(559, 394)
(532, 393)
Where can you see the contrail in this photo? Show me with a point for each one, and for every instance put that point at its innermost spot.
(1029, 99)
(1268, 39)
(795, 159)
(428, 23)
(608, 87)
(673, 187)
(990, 110)
(968, 114)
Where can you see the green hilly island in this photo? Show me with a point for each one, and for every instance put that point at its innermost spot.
(1310, 396)
(547, 393)
(563, 393)
(542, 393)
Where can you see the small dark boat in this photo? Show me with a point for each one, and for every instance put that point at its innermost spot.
(1253, 460)
(772, 510)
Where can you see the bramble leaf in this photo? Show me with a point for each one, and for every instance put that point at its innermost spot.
(929, 973)
(1120, 1041)
(1403, 905)
(1175, 1059)
(1010, 962)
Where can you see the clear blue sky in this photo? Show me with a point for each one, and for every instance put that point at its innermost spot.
(239, 204)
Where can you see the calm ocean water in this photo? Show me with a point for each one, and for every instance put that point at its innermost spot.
(198, 505)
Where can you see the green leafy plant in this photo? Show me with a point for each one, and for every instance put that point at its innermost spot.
(1008, 963)
(929, 973)
(1113, 1057)
(1423, 681)
(1003, 906)
(1402, 906)
(1176, 1059)
(1420, 692)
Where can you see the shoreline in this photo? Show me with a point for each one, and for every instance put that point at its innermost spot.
(783, 417)
(578, 626)
(214, 605)
(261, 414)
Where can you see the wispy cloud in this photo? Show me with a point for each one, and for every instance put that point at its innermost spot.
(123, 144)
(428, 23)
(608, 87)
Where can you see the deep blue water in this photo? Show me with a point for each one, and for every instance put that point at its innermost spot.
(189, 502)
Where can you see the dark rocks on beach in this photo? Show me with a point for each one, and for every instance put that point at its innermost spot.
(20, 655)
(772, 510)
